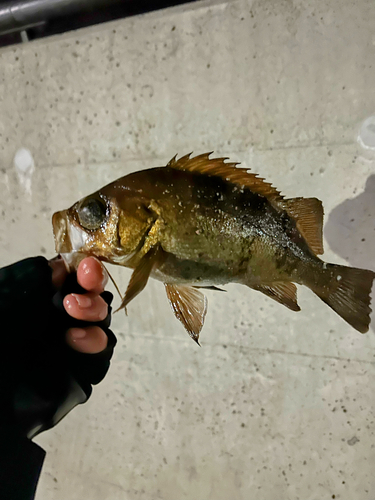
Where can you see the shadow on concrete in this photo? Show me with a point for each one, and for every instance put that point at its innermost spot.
(350, 229)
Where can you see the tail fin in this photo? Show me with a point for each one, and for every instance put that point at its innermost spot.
(347, 290)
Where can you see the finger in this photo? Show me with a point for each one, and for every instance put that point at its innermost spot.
(59, 272)
(87, 307)
(91, 275)
(90, 340)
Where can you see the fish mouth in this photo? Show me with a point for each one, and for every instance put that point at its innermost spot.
(61, 232)
(70, 240)
(69, 236)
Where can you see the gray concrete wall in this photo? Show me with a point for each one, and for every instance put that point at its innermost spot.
(275, 405)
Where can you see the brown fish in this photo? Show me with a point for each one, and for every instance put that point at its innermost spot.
(201, 223)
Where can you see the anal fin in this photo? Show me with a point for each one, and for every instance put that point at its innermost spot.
(189, 306)
(284, 293)
(308, 214)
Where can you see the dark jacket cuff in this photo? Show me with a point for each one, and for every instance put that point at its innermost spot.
(21, 461)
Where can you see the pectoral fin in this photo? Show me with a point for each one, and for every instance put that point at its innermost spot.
(141, 273)
(189, 306)
(284, 293)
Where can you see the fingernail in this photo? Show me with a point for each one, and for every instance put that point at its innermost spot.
(77, 333)
(83, 301)
(86, 268)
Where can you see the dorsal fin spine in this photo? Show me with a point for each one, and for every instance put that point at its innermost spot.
(228, 171)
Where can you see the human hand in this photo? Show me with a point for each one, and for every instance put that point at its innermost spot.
(57, 348)
(85, 307)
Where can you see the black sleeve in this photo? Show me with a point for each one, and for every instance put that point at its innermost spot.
(41, 378)
(21, 461)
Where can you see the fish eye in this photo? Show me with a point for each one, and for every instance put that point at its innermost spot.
(92, 213)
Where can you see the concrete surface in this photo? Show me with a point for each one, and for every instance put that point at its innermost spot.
(275, 405)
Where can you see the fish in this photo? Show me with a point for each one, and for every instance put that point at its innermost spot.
(201, 222)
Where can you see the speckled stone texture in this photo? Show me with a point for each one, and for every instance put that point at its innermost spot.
(276, 405)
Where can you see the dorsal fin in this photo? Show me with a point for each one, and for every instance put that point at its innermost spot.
(308, 214)
(217, 167)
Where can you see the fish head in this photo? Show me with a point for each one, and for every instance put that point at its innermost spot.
(110, 228)
(89, 227)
